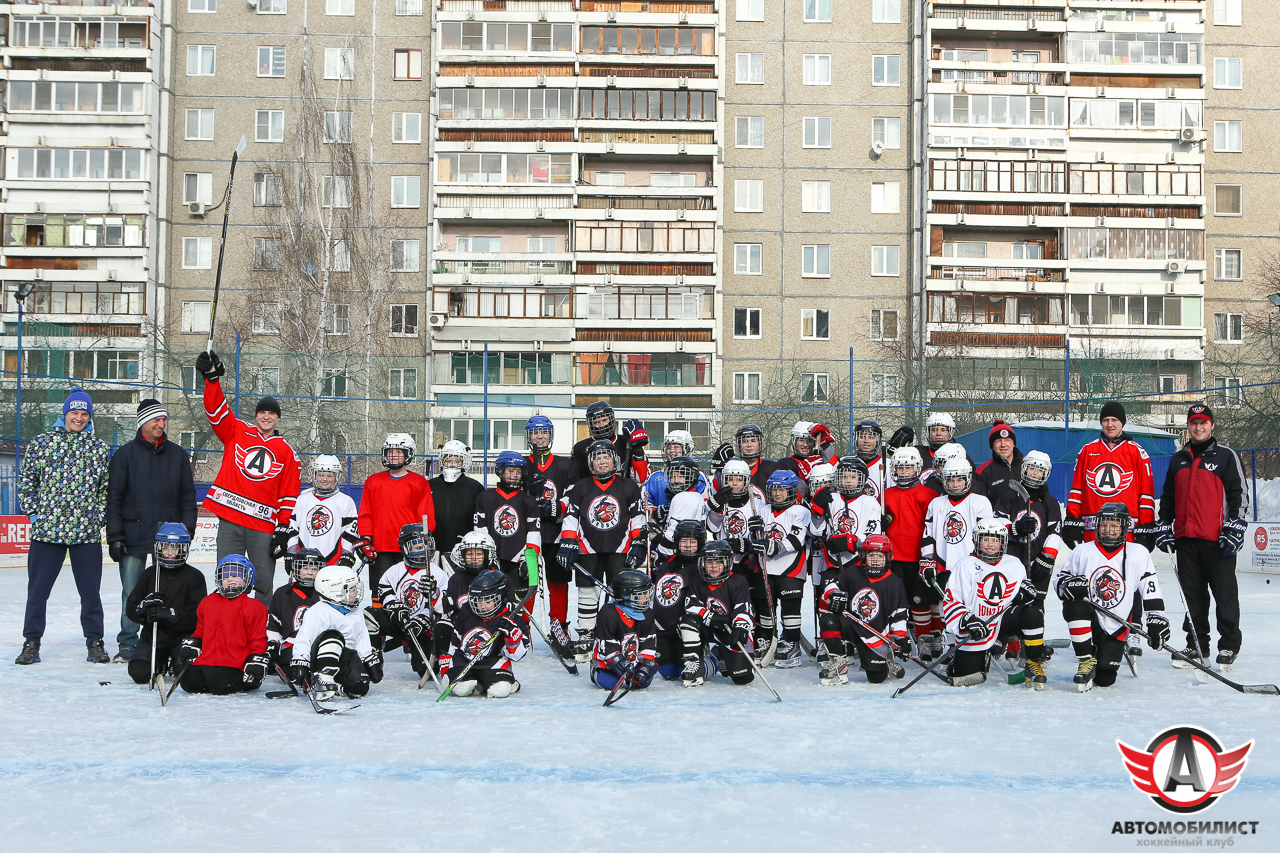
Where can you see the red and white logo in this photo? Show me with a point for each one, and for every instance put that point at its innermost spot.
(475, 640)
(847, 523)
(604, 513)
(669, 588)
(1184, 769)
(297, 617)
(993, 589)
(319, 520)
(1106, 587)
(866, 604)
(506, 521)
(954, 528)
(1260, 539)
(257, 462)
(1108, 479)
(735, 524)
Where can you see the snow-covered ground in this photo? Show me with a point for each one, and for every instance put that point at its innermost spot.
(87, 765)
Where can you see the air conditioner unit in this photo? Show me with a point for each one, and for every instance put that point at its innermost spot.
(542, 145)
(542, 79)
(611, 81)
(253, 4)
(196, 209)
(877, 149)
(1189, 134)
(111, 275)
(438, 321)
(1173, 266)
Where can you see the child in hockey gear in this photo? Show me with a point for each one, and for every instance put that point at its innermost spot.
(324, 519)
(1036, 520)
(933, 475)
(868, 591)
(227, 650)
(168, 607)
(867, 437)
(390, 500)
(845, 515)
(487, 613)
(602, 425)
(511, 517)
(669, 595)
(786, 532)
(906, 502)
(677, 443)
(731, 508)
(411, 594)
(549, 479)
(805, 452)
(331, 652)
(1109, 572)
(749, 443)
(718, 620)
(453, 495)
(686, 503)
(821, 476)
(474, 555)
(289, 604)
(626, 641)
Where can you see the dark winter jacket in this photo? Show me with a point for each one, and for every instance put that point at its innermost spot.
(63, 486)
(1200, 492)
(992, 475)
(455, 509)
(183, 590)
(149, 485)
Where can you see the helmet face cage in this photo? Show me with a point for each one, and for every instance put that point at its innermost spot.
(454, 460)
(990, 545)
(233, 576)
(867, 440)
(737, 483)
(539, 432)
(803, 445)
(682, 475)
(945, 454)
(906, 470)
(340, 587)
(601, 423)
(851, 479)
(325, 465)
(304, 566)
(476, 557)
(782, 490)
(487, 600)
(875, 562)
(599, 451)
(1111, 528)
(401, 444)
(416, 551)
(1035, 471)
(952, 473)
(940, 429)
(751, 433)
(692, 534)
(820, 477)
(512, 476)
(678, 439)
(715, 564)
(638, 594)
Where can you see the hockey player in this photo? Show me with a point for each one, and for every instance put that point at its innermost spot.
(324, 519)
(168, 608)
(933, 476)
(626, 640)
(748, 442)
(227, 650)
(474, 555)
(1109, 572)
(940, 430)
(867, 438)
(390, 500)
(845, 515)
(511, 517)
(686, 502)
(487, 614)
(331, 652)
(675, 444)
(906, 503)
(289, 604)
(453, 496)
(786, 534)
(805, 452)
(1036, 521)
(718, 620)
(1111, 468)
(671, 584)
(411, 594)
(864, 592)
(549, 480)
(602, 425)
(734, 511)
(1004, 465)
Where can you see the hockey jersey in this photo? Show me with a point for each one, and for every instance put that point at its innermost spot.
(1108, 472)
(230, 629)
(731, 521)
(686, 506)
(259, 479)
(289, 604)
(604, 518)
(875, 477)
(635, 465)
(326, 523)
(619, 636)
(907, 508)
(389, 503)
(471, 633)
(881, 603)
(983, 590)
(325, 617)
(835, 515)
(401, 583)
(948, 527)
(670, 584)
(511, 519)
(1114, 579)
(801, 466)
(1038, 551)
(183, 590)
(560, 473)
(731, 598)
(655, 488)
(786, 536)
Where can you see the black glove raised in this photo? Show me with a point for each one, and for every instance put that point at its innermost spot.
(837, 603)
(903, 436)
(210, 366)
(737, 544)
(117, 551)
(723, 454)
(1072, 531)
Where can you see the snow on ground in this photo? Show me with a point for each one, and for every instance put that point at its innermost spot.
(91, 766)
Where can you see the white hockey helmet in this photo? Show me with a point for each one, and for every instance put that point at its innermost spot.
(945, 454)
(939, 419)
(958, 468)
(820, 477)
(340, 586)
(473, 540)
(907, 457)
(1036, 466)
(681, 437)
(803, 431)
(736, 468)
(403, 442)
(455, 460)
(326, 464)
(986, 529)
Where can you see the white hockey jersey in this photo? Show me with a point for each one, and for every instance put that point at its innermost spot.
(686, 506)
(732, 522)
(787, 536)
(859, 517)
(948, 527)
(325, 617)
(875, 478)
(401, 583)
(1114, 580)
(326, 523)
(983, 590)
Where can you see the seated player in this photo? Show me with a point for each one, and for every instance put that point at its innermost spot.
(864, 596)
(474, 555)
(410, 592)
(170, 610)
(331, 652)
(626, 642)
(485, 629)
(289, 604)
(227, 650)
(672, 580)
(718, 620)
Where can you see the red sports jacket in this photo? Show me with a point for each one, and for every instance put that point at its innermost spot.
(258, 482)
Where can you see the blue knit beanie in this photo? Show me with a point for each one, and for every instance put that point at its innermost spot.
(77, 399)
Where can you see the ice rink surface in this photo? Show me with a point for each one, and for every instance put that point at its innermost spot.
(92, 766)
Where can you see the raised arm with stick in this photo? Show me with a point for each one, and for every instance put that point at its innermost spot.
(222, 248)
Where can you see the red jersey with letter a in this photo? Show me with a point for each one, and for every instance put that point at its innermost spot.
(258, 482)
(1113, 472)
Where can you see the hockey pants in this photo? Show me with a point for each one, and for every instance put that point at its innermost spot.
(670, 653)
(218, 680)
(330, 652)
(1088, 639)
(495, 683)
(789, 594)
(715, 650)
(379, 566)
(391, 631)
(842, 638)
(140, 666)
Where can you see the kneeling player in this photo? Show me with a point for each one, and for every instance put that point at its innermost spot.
(227, 651)
(864, 600)
(672, 582)
(289, 604)
(626, 642)
(331, 651)
(1109, 572)
(718, 620)
(484, 628)
(167, 607)
(410, 592)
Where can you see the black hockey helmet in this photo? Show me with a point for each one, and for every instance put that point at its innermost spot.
(716, 562)
(418, 548)
(633, 589)
(682, 475)
(749, 431)
(601, 449)
(851, 477)
(601, 422)
(1111, 525)
(870, 430)
(303, 566)
(487, 592)
(689, 529)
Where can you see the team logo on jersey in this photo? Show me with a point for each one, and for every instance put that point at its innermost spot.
(506, 521)
(1108, 479)
(474, 641)
(775, 533)
(630, 647)
(549, 491)
(735, 524)
(1035, 531)
(1184, 769)
(257, 462)
(870, 489)
(993, 589)
(410, 594)
(847, 523)
(1106, 587)
(955, 528)
(866, 604)
(604, 513)
(297, 617)
(717, 606)
(319, 520)
(668, 590)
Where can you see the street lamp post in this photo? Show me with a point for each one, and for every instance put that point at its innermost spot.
(23, 291)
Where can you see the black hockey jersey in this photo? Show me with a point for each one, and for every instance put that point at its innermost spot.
(288, 605)
(881, 603)
(471, 633)
(670, 584)
(511, 518)
(731, 598)
(401, 583)
(620, 636)
(560, 473)
(604, 518)
(183, 590)
(1039, 551)
(635, 466)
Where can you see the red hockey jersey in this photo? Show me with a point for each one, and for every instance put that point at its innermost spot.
(389, 503)
(1113, 472)
(230, 629)
(259, 480)
(907, 507)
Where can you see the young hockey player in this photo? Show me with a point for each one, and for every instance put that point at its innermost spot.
(1109, 572)
(805, 452)
(169, 607)
(474, 555)
(867, 438)
(906, 502)
(411, 594)
(227, 650)
(734, 511)
(675, 444)
(453, 496)
(991, 477)
(940, 430)
(487, 614)
(748, 441)
(390, 500)
(289, 604)
(933, 475)
(549, 480)
(845, 515)
(671, 584)
(324, 519)
(718, 620)
(331, 651)
(629, 446)
(626, 640)
(864, 592)
(786, 534)
(511, 517)
(685, 502)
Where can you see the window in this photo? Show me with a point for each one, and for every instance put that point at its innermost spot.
(68, 164)
(815, 196)
(404, 191)
(815, 324)
(197, 253)
(404, 383)
(814, 387)
(404, 321)
(404, 256)
(195, 318)
(633, 104)
(483, 245)
(48, 97)
(273, 7)
(525, 103)
(268, 189)
(884, 260)
(338, 259)
(1227, 264)
(884, 324)
(202, 6)
(266, 253)
(505, 168)
(884, 389)
(270, 59)
(816, 261)
(340, 7)
(337, 319)
(266, 318)
(887, 132)
(817, 132)
(197, 187)
(409, 8)
(1228, 13)
(406, 127)
(540, 245)
(265, 381)
(201, 60)
(817, 11)
(748, 196)
(1227, 393)
(337, 126)
(750, 68)
(1228, 73)
(199, 124)
(746, 258)
(750, 10)
(817, 69)
(334, 383)
(1227, 200)
(1227, 136)
(884, 196)
(340, 63)
(750, 132)
(663, 41)
(1228, 328)
(192, 386)
(268, 126)
(746, 387)
(335, 191)
(407, 64)
(886, 11)
(886, 70)
(746, 322)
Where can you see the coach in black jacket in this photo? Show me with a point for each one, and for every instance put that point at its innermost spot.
(150, 483)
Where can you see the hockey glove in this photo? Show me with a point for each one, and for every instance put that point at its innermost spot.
(373, 666)
(396, 610)
(837, 603)
(723, 454)
(755, 528)
(1041, 570)
(546, 510)
(273, 649)
(365, 550)
(189, 650)
(280, 542)
(1145, 535)
(621, 667)
(718, 501)
(1072, 531)
(255, 669)
(903, 436)
(1027, 593)
(417, 625)
(511, 634)
(633, 432)
(928, 570)
(903, 644)
(737, 544)
(567, 554)
(346, 560)
(1231, 538)
(644, 673)
(740, 636)
(117, 551)
(841, 543)
(771, 547)
(1164, 537)
(536, 485)
(299, 672)
(821, 435)
(1157, 630)
(975, 628)
(154, 609)
(1073, 588)
(1026, 525)
(718, 623)
(636, 555)
(427, 585)
(210, 366)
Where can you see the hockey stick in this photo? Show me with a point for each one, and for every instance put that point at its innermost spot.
(283, 694)
(155, 637)
(226, 217)
(1195, 635)
(622, 688)
(177, 679)
(1261, 689)
(891, 646)
(570, 667)
(479, 654)
(318, 707)
(759, 672)
(946, 657)
(767, 657)
(430, 674)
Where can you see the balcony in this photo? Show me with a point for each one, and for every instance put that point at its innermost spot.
(504, 303)
(951, 271)
(956, 10)
(674, 369)
(692, 7)
(644, 269)
(82, 298)
(505, 5)
(502, 267)
(578, 303)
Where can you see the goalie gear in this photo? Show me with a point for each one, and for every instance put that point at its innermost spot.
(402, 442)
(455, 460)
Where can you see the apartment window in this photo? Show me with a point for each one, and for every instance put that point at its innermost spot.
(815, 196)
(195, 318)
(884, 260)
(338, 258)
(273, 7)
(406, 127)
(746, 322)
(1228, 136)
(268, 190)
(816, 261)
(884, 389)
(334, 383)
(750, 10)
(340, 7)
(266, 253)
(192, 386)
(404, 320)
(814, 387)
(1227, 200)
(197, 253)
(1227, 393)
(340, 63)
(817, 11)
(1228, 328)
(479, 245)
(748, 196)
(886, 11)
(746, 387)
(268, 126)
(817, 132)
(1228, 73)
(202, 6)
(409, 8)
(404, 383)
(335, 191)
(1228, 13)
(407, 64)
(337, 126)
(404, 255)
(199, 124)
(884, 196)
(201, 60)
(887, 132)
(749, 132)
(815, 324)
(266, 318)
(884, 324)
(817, 69)
(404, 190)
(337, 319)
(1228, 264)
(886, 70)
(750, 68)
(270, 60)
(746, 258)
(197, 187)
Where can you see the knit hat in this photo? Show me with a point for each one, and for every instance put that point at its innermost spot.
(149, 410)
(268, 404)
(77, 399)
(1112, 410)
(1000, 429)
(1200, 411)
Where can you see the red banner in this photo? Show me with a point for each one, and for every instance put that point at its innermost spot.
(15, 534)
